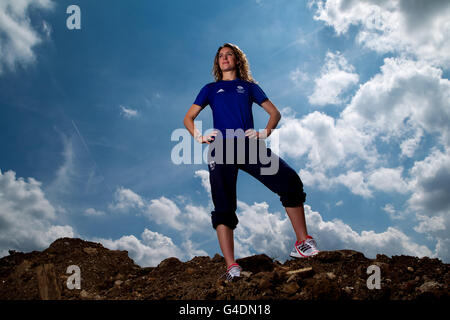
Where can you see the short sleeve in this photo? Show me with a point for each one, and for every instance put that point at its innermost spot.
(202, 97)
(258, 94)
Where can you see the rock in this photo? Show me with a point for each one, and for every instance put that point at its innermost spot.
(331, 275)
(291, 278)
(85, 295)
(328, 256)
(429, 286)
(410, 269)
(190, 270)
(246, 274)
(22, 268)
(255, 264)
(382, 258)
(118, 282)
(119, 276)
(383, 266)
(351, 254)
(263, 279)
(290, 288)
(408, 285)
(217, 258)
(90, 250)
(321, 288)
(47, 284)
(170, 262)
(348, 290)
(264, 284)
(304, 272)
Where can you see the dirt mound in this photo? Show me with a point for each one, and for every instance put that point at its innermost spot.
(111, 274)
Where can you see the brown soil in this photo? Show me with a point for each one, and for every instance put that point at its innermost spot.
(111, 274)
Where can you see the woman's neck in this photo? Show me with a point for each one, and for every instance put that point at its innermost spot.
(229, 75)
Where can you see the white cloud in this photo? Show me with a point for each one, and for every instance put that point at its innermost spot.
(93, 212)
(76, 171)
(17, 35)
(66, 173)
(152, 248)
(363, 183)
(335, 234)
(199, 217)
(430, 200)
(406, 97)
(128, 112)
(443, 249)
(431, 184)
(126, 199)
(388, 180)
(410, 145)
(56, 232)
(299, 77)
(327, 143)
(355, 182)
(427, 224)
(392, 212)
(47, 29)
(28, 221)
(164, 212)
(415, 28)
(147, 251)
(317, 179)
(204, 176)
(336, 76)
(260, 231)
(389, 208)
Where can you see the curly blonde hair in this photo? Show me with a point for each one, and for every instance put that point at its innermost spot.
(243, 67)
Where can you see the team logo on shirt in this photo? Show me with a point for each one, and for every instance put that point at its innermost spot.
(240, 89)
(220, 90)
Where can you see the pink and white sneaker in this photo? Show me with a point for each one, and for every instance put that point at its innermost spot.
(233, 271)
(304, 249)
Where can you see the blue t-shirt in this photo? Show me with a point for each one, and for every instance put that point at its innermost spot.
(231, 103)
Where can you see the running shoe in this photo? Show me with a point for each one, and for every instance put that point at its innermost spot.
(304, 249)
(233, 271)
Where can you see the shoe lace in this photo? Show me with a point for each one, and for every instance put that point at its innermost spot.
(304, 246)
(312, 242)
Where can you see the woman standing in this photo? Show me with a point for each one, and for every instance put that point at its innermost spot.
(231, 97)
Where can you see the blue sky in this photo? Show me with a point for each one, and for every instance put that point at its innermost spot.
(86, 119)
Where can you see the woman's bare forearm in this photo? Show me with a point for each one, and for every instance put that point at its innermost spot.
(190, 126)
(273, 122)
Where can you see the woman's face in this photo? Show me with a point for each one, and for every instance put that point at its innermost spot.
(227, 59)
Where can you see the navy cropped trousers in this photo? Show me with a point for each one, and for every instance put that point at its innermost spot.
(283, 181)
